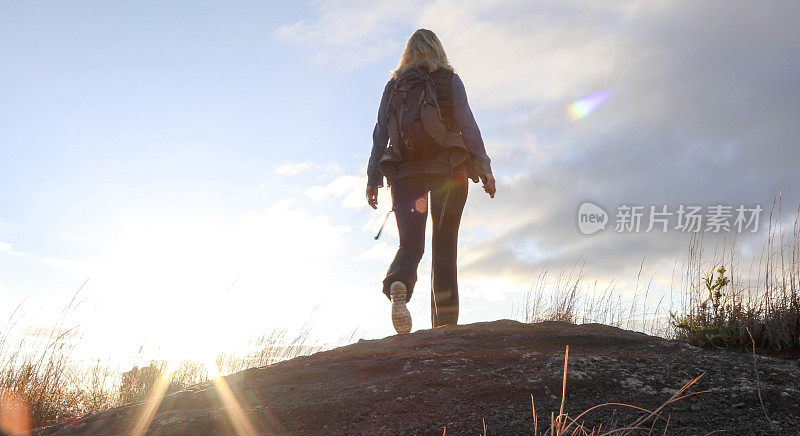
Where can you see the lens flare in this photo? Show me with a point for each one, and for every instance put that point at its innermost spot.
(421, 205)
(579, 109)
(213, 369)
(15, 417)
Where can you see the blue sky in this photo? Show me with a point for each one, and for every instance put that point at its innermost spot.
(202, 163)
(124, 123)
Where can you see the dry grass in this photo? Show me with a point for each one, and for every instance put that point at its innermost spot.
(568, 298)
(39, 376)
(43, 385)
(728, 306)
(272, 347)
(722, 304)
(563, 424)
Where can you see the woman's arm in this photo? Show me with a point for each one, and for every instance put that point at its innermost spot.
(469, 128)
(380, 137)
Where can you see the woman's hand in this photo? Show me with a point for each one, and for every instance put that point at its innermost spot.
(372, 196)
(488, 184)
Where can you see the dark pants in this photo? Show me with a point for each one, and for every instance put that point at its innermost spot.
(410, 204)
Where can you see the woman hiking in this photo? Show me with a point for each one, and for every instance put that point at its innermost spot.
(435, 147)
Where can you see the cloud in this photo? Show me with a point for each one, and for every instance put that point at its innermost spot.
(546, 50)
(178, 267)
(351, 33)
(381, 251)
(349, 189)
(703, 110)
(6, 248)
(293, 169)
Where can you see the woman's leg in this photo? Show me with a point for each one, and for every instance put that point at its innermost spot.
(410, 204)
(450, 193)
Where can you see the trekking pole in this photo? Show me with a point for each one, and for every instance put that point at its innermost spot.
(386, 218)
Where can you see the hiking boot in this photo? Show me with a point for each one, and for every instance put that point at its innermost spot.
(401, 317)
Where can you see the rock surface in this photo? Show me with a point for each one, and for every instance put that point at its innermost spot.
(461, 376)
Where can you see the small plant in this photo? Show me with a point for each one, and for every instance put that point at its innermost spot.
(713, 320)
(759, 311)
(714, 288)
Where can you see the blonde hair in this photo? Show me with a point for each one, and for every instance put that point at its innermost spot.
(423, 49)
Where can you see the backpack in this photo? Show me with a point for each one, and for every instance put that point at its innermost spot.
(416, 128)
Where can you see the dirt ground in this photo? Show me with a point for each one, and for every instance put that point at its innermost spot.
(462, 376)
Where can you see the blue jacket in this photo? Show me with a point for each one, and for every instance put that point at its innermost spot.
(463, 117)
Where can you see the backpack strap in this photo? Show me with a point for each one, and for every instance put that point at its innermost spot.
(443, 78)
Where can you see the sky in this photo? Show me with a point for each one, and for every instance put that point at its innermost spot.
(200, 166)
